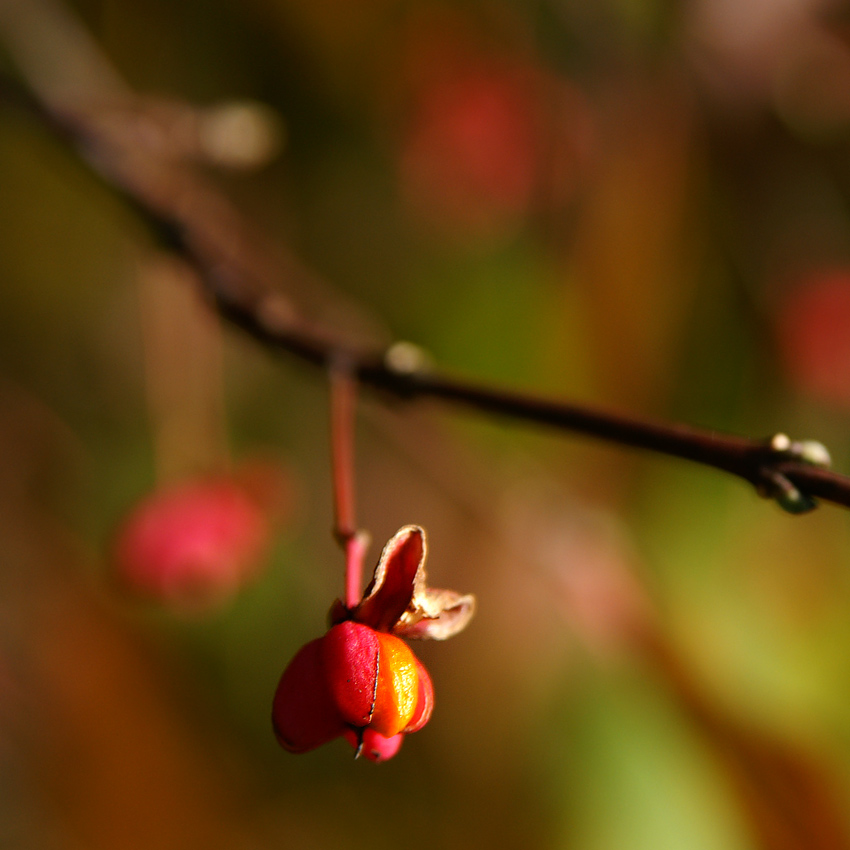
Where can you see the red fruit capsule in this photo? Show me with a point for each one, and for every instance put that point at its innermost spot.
(361, 681)
(356, 682)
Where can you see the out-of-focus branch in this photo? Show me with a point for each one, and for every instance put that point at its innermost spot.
(246, 287)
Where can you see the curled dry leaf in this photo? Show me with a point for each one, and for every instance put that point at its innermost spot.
(436, 614)
(398, 599)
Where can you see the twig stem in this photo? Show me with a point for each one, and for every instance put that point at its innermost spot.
(343, 397)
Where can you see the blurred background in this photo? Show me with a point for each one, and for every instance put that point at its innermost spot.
(640, 205)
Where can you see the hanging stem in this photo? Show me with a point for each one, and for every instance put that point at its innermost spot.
(343, 397)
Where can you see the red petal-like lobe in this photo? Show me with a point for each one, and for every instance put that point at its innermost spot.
(303, 712)
(350, 656)
(399, 575)
(424, 701)
(375, 746)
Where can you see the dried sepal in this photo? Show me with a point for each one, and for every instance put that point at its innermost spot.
(435, 614)
(398, 599)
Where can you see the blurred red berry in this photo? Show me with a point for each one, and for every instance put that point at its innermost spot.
(471, 148)
(814, 336)
(360, 681)
(488, 135)
(193, 543)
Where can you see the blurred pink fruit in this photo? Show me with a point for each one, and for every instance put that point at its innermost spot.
(471, 150)
(488, 136)
(814, 336)
(194, 543)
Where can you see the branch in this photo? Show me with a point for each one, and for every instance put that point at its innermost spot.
(793, 473)
(243, 285)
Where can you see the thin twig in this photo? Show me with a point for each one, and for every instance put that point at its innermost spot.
(354, 542)
(342, 404)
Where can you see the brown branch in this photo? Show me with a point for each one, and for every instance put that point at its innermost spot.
(196, 222)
